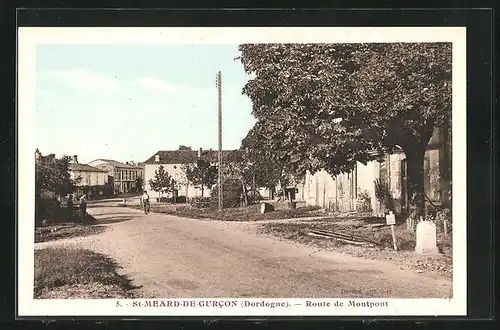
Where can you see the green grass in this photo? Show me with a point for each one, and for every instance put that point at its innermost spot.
(405, 256)
(382, 236)
(248, 213)
(62, 273)
(52, 233)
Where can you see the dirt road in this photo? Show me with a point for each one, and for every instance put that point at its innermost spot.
(172, 257)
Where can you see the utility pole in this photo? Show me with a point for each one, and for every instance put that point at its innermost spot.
(219, 88)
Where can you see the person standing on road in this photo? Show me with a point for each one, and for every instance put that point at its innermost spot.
(145, 202)
(83, 207)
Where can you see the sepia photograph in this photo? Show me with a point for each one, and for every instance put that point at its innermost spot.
(242, 171)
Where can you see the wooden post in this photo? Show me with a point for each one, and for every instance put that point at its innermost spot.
(391, 220)
(254, 186)
(174, 199)
(219, 88)
(394, 238)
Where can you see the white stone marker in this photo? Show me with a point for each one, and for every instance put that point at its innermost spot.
(426, 238)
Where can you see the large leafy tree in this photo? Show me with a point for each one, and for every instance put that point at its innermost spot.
(327, 106)
(52, 174)
(162, 182)
(202, 175)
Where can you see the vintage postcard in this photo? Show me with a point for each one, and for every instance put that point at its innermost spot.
(242, 171)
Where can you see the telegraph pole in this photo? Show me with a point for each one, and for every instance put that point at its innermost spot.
(219, 88)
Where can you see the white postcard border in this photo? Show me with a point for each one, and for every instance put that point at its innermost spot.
(30, 37)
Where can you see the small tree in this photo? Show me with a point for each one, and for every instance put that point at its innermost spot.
(201, 175)
(138, 184)
(162, 181)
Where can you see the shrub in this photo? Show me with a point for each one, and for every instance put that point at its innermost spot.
(442, 216)
(232, 191)
(364, 202)
(49, 209)
(200, 202)
(383, 194)
(254, 197)
(430, 212)
(105, 190)
(176, 200)
(180, 199)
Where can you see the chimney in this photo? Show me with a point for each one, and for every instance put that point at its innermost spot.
(199, 152)
(127, 163)
(75, 159)
(157, 158)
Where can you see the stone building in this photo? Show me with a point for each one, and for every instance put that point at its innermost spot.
(342, 193)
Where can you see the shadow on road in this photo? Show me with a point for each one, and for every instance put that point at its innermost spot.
(112, 219)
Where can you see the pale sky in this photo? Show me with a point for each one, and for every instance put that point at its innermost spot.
(126, 102)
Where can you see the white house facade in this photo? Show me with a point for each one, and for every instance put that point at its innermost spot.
(88, 175)
(174, 163)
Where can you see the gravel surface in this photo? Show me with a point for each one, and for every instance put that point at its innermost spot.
(406, 259)
(169, 257)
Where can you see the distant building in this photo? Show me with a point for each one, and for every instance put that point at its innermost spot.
(89, 175)
(122, 175)
(174, 161)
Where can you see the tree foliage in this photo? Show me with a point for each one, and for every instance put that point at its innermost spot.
(202, 175)
(232, 191)
(138, 184)
(328, 106)
(162, 182)
(268, 170)
(53, 174)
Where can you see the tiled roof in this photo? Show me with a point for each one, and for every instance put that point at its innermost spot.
(185, 156)
(84, 168)
(115, 163)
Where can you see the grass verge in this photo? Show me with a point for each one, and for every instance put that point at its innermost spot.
(65, 273)
(363, 227)
(56, 232)
(248, 213)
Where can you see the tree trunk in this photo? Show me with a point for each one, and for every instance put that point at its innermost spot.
(415, 185)
(244, 192)
(254, 186)
(202, 190)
